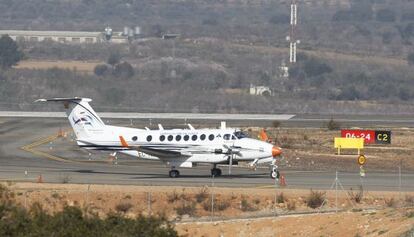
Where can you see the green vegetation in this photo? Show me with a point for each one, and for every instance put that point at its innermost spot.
(186, 208)
(352, 57)
(72, 221)
(9, 52)
(315, 199)
(280, 198)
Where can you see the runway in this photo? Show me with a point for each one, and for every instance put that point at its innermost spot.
(19, 165)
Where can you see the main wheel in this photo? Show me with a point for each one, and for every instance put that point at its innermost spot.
(274, 174)
(174, 173)
(215, 172)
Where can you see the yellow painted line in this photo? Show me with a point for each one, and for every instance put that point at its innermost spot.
(30, 148)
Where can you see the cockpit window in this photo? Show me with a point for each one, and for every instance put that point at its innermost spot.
(226, 136)
(240, 134)
(233, 137)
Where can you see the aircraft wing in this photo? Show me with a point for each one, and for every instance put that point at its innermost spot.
(162, 153)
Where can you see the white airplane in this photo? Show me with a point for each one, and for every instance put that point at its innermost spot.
(174, 147)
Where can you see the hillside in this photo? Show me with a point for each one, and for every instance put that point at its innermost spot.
(352, 56)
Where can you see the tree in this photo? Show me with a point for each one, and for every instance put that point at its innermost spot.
(100, 69)
(124, 70)
(114, 59)
(9, 52)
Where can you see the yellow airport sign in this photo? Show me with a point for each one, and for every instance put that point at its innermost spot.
(348, 143)
(361, 159)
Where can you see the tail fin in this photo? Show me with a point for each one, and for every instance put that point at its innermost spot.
(85, 122)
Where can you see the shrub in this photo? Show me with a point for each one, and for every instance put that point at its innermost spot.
(280, 198)
(123, 207)
(100, 69)
(186, 209)
(114, 59)
(357, 197)
(390, 202)
(222, 205)
(333, 125)
(202, 195)
(72, 221)
(409, 200)
(315, 199)
(276, 123)
(173, 197)
(291, 205)
(124, 70)
(55, 195)
(246, 206)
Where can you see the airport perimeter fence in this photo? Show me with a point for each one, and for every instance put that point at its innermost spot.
(201, 204)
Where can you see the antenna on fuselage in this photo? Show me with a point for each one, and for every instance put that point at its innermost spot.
(190, 127)
(160, 127)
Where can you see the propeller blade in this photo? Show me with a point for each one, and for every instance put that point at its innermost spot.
(263, 135)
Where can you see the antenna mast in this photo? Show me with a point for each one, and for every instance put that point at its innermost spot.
(292, 34)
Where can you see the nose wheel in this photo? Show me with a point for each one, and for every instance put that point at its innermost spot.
(174, 173)
(274, 172)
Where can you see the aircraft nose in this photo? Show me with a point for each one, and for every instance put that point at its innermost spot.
(276, 151)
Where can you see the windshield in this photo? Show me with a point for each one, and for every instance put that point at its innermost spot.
(240, 134)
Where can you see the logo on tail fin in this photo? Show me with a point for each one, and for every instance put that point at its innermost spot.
(82, 118)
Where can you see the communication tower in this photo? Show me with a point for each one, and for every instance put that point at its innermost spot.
(292, 34)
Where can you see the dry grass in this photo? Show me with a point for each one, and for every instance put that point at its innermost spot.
(80, 66)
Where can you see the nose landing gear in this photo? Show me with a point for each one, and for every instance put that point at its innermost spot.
(274, 172)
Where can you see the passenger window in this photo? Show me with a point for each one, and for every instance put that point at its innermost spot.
(194, 137)
(211, 137)
(203, 137)
(149, 138)
(186, 137)
(170, 137)
(226, 137)
(178, 138)
(162, 138)
(134, 138)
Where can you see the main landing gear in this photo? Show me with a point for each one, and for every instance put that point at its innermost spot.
(215, 171)
(174, 173)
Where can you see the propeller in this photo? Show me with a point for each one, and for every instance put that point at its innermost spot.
(231, 152)
(263, 135)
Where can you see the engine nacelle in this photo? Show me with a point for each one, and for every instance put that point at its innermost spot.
(208, 158)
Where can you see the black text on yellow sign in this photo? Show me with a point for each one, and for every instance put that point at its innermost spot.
(383, 137)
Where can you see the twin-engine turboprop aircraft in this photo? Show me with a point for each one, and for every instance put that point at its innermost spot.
(175, 147)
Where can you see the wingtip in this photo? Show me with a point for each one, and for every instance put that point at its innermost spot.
(40, 100)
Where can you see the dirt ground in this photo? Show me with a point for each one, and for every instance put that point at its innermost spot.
(388, 222)
(389, 213)
(80, 66)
